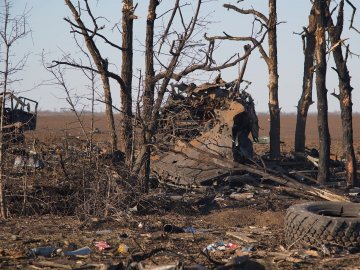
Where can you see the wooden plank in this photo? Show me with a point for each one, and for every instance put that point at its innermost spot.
(241, 236)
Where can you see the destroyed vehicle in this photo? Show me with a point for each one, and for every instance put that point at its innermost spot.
(20, 115)
(200, 122)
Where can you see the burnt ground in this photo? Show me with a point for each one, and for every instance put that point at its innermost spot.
(46, 210)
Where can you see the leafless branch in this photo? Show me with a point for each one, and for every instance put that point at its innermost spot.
(335, 95)
(93, 33)
(352, 16)
(176, 6)
(109, 74)
(255, 42)
(58, 76)
(248, 11)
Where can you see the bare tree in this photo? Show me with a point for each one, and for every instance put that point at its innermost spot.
(12, 29)
(101, 63)
(126, 74)
(345, 89)
(305, 101)
(270, 23)
(322, 104)
(273, 83)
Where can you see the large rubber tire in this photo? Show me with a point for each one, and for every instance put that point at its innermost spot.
(333, 224)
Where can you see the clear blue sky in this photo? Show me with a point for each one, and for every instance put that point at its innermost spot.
(51, 34)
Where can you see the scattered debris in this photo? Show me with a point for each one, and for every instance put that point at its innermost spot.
(220, 246)
(102, 245)
(123, 249)
(169, 228)
(48, 251)
(84, 251)
(28, 161)
(242, 196)
(217, 144)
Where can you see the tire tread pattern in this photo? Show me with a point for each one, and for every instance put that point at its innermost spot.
(305, 228)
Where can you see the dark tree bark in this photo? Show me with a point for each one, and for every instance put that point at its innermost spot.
(306, 96)
(344, 96)
(126, 132)
(148, 99)
(273, 83)
(102, 68)
(322, 105)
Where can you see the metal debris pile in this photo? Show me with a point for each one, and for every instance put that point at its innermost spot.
(191, 110)
(202, 121)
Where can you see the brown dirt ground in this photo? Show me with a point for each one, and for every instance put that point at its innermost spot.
(260, 217)
(52, 126)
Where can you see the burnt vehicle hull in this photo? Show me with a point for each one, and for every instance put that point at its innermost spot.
(20, 115)
(222, 131)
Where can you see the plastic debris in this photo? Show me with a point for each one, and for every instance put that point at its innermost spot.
(123, 249)
(78, 252)
(190, 230)
(102, 245)
(220, 246)
(48, 251)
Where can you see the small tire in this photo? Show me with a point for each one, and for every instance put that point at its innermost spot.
(334, 224)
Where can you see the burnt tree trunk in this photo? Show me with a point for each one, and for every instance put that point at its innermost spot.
(143, 162)
(273, 83)
(102, 68)
(109, 111)
(306, 96)
(322, 105)
(344, 95)
(3, 213)
(126, 132)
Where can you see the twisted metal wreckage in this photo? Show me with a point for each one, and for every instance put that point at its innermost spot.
(212, 119)
(205, 129)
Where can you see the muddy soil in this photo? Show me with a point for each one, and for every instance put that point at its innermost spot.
(136, 234)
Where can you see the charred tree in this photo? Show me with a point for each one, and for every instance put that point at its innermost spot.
(344, 95)
(149, 92)
(274, 109)
(322, 104)
(308, 76)
(100, 63)
(126, 132)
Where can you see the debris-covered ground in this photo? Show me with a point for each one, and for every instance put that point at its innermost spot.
(71, 208)
(198, 229)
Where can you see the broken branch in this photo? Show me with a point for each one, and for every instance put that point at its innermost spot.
(248, 11)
